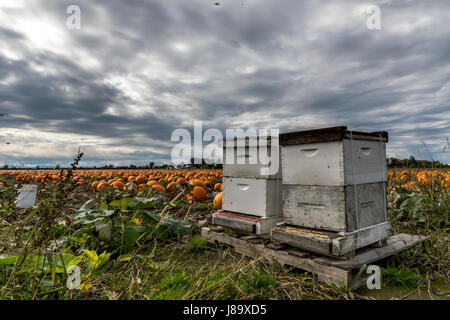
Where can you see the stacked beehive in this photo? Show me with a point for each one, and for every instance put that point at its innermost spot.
(333, 190)
(251, 199)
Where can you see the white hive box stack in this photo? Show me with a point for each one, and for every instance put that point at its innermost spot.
(251, 199)
(333, 190)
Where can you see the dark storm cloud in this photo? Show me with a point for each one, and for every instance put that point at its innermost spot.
(139, 69)
(77, 99)
(7, 34)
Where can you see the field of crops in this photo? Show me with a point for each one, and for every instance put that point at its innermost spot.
(200, 182)
(135, 235)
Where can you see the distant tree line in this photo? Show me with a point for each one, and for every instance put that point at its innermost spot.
(413, 163)
(151, 165)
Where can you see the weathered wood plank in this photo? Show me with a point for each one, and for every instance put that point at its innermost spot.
(324, 273)
(327, 269)
(335, 245)
(299, 253)
(312, 136)
(318, 207)
(303, 238)
(249, 237)
(395, 244)
(365, 237)
(329, 134)
(374, 136)
(328, 274)
(245, 223)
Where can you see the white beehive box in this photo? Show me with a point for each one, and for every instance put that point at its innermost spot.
(256, 197)
(251, 196)
(333, 157)
(333, 190)
(334, 208)
(245, 161)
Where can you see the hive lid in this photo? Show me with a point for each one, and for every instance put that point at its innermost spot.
(329, 135)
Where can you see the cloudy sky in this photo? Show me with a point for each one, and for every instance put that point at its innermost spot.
(138, 69)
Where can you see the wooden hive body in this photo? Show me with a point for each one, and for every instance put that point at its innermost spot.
(334, 181)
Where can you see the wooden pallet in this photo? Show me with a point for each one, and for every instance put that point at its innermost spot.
(329, 270)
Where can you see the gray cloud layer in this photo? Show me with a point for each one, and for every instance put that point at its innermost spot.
(139, 69)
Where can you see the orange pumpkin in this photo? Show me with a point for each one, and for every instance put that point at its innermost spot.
(199, 193)
(118, 185)
(140, 179)
(171, 186)
(101, 185)
(159, 188)
(218, 201)
(197, 182)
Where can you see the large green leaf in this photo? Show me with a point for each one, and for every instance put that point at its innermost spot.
(67, 261)
(148, 203)
(124, 204)
(95, 261)
(7, 260)
(45, 263)
(132, 232)
(88, 216)
(171, 225)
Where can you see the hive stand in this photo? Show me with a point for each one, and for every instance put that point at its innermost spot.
(245, 223)
(341, 245)
(333, 271)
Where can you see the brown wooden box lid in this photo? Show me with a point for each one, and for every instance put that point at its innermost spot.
(329, 135)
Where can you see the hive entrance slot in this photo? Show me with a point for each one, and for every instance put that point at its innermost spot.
(311, 152)
(315, 205)
(243, 186)
(366, 150)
